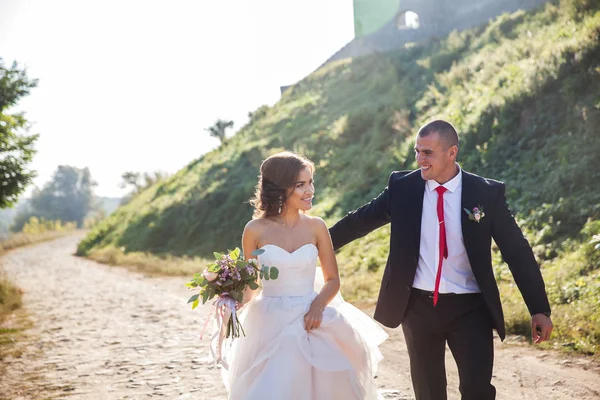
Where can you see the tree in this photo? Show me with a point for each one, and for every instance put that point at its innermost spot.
(219, 129)
(139, 182)
(68, 197)
(16, 147)
(152, 178)
(132, 179)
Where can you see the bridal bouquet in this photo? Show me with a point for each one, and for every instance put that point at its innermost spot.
(227, 279)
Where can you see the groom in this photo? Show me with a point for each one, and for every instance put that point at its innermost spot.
(438, 280)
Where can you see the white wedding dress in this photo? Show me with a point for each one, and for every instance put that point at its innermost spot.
(279, 360)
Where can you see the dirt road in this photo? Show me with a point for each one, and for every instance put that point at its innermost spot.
(103, 332)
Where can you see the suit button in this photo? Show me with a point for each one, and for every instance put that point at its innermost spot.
(407, 288)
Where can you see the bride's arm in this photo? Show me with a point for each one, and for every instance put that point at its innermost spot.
(313, 317)
(249, 244)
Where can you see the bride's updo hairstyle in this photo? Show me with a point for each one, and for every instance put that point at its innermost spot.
(278, 175)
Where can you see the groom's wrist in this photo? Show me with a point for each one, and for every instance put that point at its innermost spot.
(546, 313)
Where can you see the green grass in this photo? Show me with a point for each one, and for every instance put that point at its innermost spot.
(573, 286)
(10, 303)
(149, 263)
(524, 93)
(10, 298)
(25, 239)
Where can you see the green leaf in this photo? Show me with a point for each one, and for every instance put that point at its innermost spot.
(200, 280)
(204, 296)
(264, 273)
(235, 254)
(237, 296)
(218, 256)
(191, 284)
(257, 252)
(214, 268)
(240, 263)
(467, 211)
(253, 285)
(211, 292)
(274, 272)
(195, 304)
(193, 298)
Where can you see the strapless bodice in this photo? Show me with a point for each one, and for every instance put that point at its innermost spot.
(296, 270)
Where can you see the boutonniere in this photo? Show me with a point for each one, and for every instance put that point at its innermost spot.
(476, 214)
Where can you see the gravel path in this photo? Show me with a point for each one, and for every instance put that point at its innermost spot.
(103, 332)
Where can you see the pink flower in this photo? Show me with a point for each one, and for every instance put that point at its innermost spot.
(210, 276)
(476, 215)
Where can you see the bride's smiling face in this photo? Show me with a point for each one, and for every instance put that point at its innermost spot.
(301, 195)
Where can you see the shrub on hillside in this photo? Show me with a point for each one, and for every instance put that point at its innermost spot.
(591, 246)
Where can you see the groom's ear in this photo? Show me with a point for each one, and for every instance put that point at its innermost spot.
(453, 152)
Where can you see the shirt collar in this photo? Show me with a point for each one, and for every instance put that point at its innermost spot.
(451, 185)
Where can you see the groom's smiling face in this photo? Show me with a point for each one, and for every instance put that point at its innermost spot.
(436, 158)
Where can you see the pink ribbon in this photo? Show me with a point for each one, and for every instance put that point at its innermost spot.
(223, 305)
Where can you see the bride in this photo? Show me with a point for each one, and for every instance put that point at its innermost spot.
(303, 341)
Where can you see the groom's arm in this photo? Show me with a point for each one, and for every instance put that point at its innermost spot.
(517, 253)
(362, 221)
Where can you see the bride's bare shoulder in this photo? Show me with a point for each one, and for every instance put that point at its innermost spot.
(313, 220)
(316, 223)
(256, 225)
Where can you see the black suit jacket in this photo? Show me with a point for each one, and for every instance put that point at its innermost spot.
(401, 204)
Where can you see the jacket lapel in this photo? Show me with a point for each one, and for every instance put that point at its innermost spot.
(468, 226)
(415, 207)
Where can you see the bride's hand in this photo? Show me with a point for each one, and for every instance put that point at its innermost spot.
(313, 318)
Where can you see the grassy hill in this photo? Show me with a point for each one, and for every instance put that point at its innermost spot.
(524, 94)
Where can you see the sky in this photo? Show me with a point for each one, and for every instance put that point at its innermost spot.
(131, 85)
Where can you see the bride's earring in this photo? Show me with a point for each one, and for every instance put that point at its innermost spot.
(280, 204)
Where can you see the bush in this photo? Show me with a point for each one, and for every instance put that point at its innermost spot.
(591, 244)
(37, 225)
(10, 298)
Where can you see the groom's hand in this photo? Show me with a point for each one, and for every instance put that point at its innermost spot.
(541, 328)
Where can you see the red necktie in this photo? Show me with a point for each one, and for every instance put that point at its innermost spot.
(443, 244)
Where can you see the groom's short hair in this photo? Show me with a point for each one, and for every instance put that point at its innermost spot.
(444, 129)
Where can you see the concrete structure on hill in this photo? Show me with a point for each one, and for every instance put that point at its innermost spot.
(385, 25)
(416, 20)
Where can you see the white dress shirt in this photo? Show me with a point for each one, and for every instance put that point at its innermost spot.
(457, 275)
